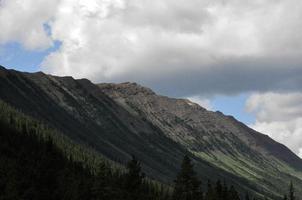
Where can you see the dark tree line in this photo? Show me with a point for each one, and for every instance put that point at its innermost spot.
(188, 187)
(38, 164)
(35, 169)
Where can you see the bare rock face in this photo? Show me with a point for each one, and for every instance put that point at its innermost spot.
(182, 120)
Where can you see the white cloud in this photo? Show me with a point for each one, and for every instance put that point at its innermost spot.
(280, 116)
(23, 21)
(300, 153)
(203, 102)
(207, 46)
(196, 46)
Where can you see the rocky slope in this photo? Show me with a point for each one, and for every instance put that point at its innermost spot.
(212, 136)
(118, 120)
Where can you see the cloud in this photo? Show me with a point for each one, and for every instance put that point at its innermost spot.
(202, 101)
(280, 116)
(24, 22)
(177, 47)
(208, 47)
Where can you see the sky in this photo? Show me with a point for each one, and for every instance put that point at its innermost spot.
(240, 57)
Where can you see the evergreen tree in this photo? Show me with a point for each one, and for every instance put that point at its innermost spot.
(233, 194)
(133, 178)
(210, 194)
(225, 191)
(219, 190)
(187, 186)
(100, 188)
(291, 191)
(285, 197)
(247, 197)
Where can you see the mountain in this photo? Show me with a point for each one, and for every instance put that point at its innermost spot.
(212, 136)
(120, 120)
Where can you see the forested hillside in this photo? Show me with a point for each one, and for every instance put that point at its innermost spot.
(33, 166)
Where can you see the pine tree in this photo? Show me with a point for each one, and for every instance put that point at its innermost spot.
(219, 190)
(247, 197)
(100, 187)
(187, 185)
(225, 192)
(210, 194)
(233, 194)
(291, 191)
(133, 178)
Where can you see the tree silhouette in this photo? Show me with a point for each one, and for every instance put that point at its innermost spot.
(133, 178)
(285, 197)
(291, 191)
(219, 190)
(210, 194)
(233, 194)
(247, 197)
(187, 185)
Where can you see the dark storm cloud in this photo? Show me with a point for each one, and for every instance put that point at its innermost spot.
(228, 77)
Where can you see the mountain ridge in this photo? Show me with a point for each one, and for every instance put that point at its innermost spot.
(125, 87)
(118, 120)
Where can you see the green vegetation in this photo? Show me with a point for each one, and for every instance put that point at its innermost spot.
(37, 162)
(187, 186)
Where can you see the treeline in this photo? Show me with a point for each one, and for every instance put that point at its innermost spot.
(38, 163)
(187, 186)
(28, 125)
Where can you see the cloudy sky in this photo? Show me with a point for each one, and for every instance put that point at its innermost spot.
(241, 57)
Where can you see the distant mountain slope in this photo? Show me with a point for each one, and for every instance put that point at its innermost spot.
(118, 120)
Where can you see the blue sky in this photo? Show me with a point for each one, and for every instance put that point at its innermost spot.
(13, 55)
(235, 106)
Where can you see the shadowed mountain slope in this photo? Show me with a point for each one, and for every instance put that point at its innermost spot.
(118, 120)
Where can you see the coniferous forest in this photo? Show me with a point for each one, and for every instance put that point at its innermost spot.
(36, 163)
